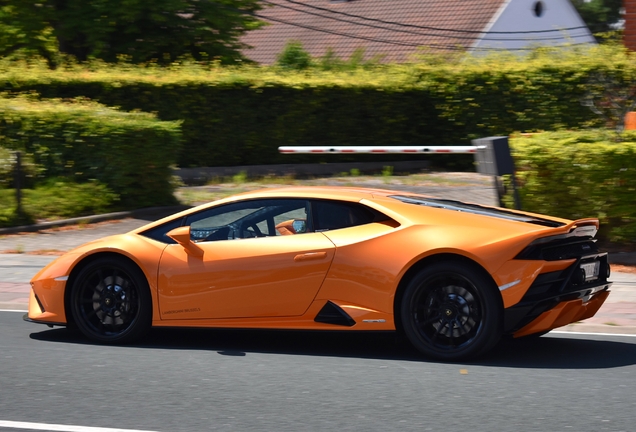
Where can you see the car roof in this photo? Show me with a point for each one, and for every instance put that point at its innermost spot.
(347, 193)
(343, 193)
(380, 199)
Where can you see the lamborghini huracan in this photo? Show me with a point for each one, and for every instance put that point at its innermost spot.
(453, 277)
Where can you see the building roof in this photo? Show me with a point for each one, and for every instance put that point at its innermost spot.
(345, 26)
(397, 29)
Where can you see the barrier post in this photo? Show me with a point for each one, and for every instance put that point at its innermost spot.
(493, 158)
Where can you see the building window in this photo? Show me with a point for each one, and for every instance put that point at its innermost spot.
(538, 9)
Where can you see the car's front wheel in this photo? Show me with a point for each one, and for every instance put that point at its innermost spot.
(451, 311)
(110, 301)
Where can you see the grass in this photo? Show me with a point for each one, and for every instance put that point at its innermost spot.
(55, 199)
(436, 179)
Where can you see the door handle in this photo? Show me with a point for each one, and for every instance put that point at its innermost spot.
(310, 256)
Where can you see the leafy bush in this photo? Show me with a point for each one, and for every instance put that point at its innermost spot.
(56, 198)
(240, 116)
(331, 62)
(131, 153)
(10, 217)
(294, 56)
(580, 174)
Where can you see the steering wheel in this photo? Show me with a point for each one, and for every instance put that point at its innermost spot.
(254, 231)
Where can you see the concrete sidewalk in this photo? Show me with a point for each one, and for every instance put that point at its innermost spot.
(22, 255)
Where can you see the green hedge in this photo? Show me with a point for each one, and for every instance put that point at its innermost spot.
(580, 174)
(131, 153)
(240, 116)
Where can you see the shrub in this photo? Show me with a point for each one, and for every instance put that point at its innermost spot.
(580, 174)
(131, 153)
(240, 116)
(56, 198)
(294, 56)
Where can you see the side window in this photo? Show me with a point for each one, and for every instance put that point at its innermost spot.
(246, 219)
(331, 215)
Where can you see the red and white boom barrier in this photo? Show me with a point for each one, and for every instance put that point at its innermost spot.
(380, 149)
(492, 155)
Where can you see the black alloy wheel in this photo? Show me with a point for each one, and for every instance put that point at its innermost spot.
(451, 311)
(110, 301)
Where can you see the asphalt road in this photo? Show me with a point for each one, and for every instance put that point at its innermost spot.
(208, 380)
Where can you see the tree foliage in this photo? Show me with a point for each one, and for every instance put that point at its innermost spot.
(138, 30)
(294, 56)
(599, 15)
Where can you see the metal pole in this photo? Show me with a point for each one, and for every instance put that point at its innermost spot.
(515, 192)
(499, 188)
(18, 181)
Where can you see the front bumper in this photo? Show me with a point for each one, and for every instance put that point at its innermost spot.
(26, 318)
(51, 314)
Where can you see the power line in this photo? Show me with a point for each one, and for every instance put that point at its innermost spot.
(338, 33)
(409, 44)
(423, 27)
(471, 38)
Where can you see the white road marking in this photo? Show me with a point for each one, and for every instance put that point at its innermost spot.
(61, 428)
(591, 333)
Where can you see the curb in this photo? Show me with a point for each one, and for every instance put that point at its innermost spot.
(623, 258)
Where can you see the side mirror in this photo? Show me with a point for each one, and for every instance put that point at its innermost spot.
(299, 225)
(292, 226)
(182, 236)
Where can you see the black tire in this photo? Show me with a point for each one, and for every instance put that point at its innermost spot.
(450, 311)
(110, 301)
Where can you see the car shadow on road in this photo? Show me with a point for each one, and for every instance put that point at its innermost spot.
(563, 351)
(549, 352)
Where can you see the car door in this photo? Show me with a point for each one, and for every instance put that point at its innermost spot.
(247, 267)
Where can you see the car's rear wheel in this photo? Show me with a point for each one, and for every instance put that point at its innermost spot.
(451, 311)
(110, 301)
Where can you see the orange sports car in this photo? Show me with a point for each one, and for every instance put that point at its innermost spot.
(453, 277)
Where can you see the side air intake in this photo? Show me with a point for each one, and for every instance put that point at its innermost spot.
(331, 313)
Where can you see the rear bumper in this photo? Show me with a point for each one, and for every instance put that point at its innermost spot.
(559, 298)
(563, 314)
